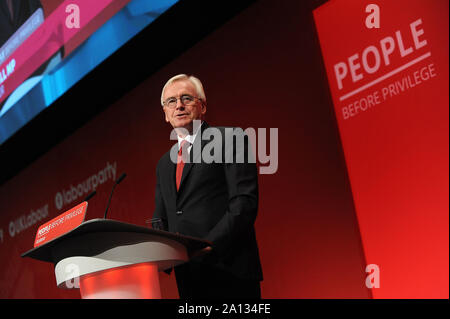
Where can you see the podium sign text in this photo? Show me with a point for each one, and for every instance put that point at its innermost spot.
(61, 224)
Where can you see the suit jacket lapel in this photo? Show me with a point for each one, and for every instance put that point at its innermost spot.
(170, 172)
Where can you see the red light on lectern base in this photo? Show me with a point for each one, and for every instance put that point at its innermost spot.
(138, 281)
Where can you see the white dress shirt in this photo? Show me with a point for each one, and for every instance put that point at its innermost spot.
(189, 138)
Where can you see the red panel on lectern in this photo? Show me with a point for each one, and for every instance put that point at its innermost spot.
(61, 224)
(138, 281)
(390, 91)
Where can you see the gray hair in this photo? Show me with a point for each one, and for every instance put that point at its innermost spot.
(195, 81)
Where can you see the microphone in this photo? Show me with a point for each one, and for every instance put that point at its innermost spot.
(112, 191)
(88, 197)
(121, 178)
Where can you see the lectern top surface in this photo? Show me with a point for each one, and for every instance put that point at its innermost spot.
(44, 252)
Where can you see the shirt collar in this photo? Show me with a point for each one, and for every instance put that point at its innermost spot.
(189, 138)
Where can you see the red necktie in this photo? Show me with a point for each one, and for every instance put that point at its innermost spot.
(181, 161)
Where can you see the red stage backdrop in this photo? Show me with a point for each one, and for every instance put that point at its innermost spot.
(262, 69)
(390, 92)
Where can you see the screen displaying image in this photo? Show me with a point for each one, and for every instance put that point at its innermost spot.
(46, 46)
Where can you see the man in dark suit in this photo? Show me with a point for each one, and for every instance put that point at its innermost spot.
(214, 200)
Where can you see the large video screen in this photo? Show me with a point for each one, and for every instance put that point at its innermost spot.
(46, 46)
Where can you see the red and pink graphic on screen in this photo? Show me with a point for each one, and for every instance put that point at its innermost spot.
(66, 25)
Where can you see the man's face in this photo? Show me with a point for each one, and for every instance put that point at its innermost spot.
(183, 115)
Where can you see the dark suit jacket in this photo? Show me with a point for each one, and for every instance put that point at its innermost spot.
(217, 202)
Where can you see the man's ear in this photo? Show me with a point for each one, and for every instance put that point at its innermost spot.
(203, 112)
(165, 115)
